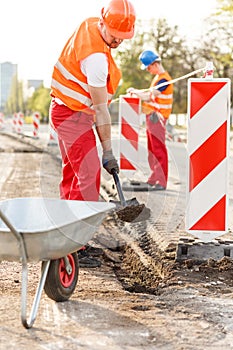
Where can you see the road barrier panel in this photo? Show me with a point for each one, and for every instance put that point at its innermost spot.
(208, 157)
(36, 124)
(129, 124)
(53, 139)
(2, 121)
(19, 122)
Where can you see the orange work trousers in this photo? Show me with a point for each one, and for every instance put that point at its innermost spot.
(157, 151)
(80, 161)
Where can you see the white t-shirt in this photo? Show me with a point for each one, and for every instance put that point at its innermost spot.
(95, 68)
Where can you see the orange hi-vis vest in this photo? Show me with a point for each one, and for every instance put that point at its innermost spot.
(163, 102)
(69, 84)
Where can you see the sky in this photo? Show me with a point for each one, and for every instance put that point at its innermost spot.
(33, 33)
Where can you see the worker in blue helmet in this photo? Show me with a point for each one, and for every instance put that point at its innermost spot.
(157, 105)
(148, 57)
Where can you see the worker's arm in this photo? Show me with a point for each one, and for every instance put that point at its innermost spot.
(150, 94)
(143, 95)
(99, 98)
(160, 86)
(103, 119)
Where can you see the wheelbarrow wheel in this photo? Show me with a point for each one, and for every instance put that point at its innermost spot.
(61, 282)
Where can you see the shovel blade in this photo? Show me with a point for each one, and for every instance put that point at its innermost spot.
(128, 202)
(132, 211)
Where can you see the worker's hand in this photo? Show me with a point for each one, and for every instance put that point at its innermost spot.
(109, 162)
(154, 118)
(130, 90)
(143, 95)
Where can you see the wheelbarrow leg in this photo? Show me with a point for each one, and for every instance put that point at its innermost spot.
(44, 271)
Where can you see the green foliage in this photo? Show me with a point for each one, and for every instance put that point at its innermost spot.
(40, 102)
(163, 39)
(15, 102)
(224, 6)
(217, 41)
(178, 57)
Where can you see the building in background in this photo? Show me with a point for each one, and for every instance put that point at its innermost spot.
(8, 71)
(31, 86)
(35, 83)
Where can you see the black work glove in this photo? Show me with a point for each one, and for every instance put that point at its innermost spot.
(154, 118)
(109, 162)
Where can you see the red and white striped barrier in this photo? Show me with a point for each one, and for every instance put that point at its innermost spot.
(1, 121)
(14, 122)
(208, 144)
(129, 123)
(53, 139)
(36, 124)
(19, 123)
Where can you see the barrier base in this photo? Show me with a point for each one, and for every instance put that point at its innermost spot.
(137, 186)
(195, 249)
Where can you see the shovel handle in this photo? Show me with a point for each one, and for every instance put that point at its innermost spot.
(118, 186)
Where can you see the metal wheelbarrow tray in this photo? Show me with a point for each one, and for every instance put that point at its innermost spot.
(51, 231)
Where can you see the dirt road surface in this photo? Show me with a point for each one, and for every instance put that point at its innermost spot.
(140, 298)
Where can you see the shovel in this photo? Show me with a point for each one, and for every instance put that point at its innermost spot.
(129, 210)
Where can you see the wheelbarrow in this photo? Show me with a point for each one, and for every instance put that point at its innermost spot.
(50, 231)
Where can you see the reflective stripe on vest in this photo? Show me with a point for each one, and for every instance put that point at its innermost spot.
(163, 105)
(70, 76)
(71, 93)
(162, 102)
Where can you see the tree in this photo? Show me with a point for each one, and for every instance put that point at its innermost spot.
(127, 58)
(15, 102)
(218, 41)
(165, 40)
(40, 102)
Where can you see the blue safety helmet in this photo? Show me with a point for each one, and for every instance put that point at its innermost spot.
(148, 57)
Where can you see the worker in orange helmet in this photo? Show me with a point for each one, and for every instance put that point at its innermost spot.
(157, 105)
(84, 80)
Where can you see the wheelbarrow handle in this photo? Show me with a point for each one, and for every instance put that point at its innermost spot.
(118, 186)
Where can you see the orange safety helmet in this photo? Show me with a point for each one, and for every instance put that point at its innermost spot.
(119, 18)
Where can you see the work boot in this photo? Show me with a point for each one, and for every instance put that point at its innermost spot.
(159, 187)
(94, 251)
(156, 186)
(85, 259)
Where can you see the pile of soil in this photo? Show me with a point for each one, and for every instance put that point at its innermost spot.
(134, 213)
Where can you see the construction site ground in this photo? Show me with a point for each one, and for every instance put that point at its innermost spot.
(141, 297)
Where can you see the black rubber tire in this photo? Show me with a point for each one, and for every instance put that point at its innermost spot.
(59, 285)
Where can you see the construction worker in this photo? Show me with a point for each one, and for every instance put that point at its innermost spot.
(84, 81)
(157, 105)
